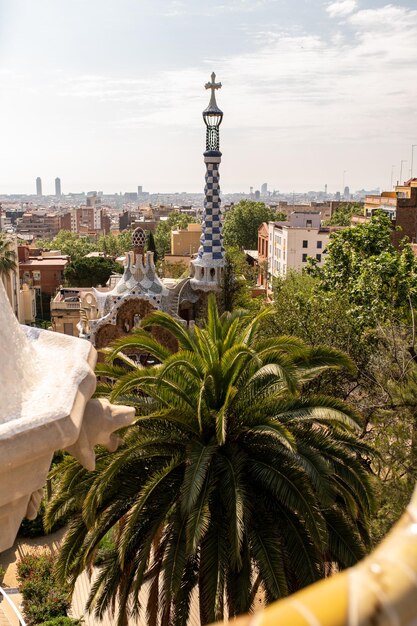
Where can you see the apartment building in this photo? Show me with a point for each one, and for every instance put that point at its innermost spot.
(291, 243)
(44, 272)
(86, 220)
(39, 224)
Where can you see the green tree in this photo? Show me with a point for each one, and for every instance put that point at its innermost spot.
(383, 387)
(238, 277)
(241, 223)
(69, 243)
(375, 277)
(151, 246)
(8, 261)
(114, 245)
(163, 231)
(43, 598)
(343, 214)
(230, 478)
(90, 271)
(77, 246)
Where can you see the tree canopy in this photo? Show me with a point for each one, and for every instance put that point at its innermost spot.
(233, 475)
(90, 271)
(77, 246)
(342, 215)
(363, 302)
(362, 263)
(241, 223)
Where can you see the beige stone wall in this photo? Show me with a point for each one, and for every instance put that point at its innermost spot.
(64, 320)
(27, 307)
(186, 241)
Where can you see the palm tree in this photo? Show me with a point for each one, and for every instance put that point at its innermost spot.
(7, 255)
(231, 479)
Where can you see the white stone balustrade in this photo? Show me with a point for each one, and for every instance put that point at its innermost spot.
(46, 383)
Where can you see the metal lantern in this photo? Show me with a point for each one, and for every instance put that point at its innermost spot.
(212, 117)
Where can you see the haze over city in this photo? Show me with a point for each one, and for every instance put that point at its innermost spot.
(109, 95)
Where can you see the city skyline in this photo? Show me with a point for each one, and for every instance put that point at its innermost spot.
(315, 93)
(263, 190)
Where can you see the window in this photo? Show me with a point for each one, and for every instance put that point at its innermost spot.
(68, 329)
(309, 223)
(305, 243)
(318, 257)
(304, 258)
(319, 244)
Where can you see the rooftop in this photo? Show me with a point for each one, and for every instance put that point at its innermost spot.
(43, 261)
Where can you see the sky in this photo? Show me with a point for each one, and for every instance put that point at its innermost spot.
(108, 94)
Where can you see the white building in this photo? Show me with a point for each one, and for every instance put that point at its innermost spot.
(291, 243)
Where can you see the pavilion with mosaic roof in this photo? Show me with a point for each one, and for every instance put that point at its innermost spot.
(112, 313)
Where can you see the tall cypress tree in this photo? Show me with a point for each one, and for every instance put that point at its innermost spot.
(151, 246)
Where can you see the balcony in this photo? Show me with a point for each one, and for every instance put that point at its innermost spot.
(62, 304)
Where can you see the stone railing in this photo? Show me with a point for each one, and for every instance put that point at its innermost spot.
(65, 305)
(48, 380)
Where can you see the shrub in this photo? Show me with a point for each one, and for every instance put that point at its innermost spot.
(62, 621)
(43, 598)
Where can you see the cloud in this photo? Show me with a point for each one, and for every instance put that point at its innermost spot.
(176, 8)
(341, 8)
(294, 91)
(338, 87)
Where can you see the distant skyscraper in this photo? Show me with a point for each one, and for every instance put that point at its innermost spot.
(140, 189)
(58, 187)
(38, 186)
(346, 193)
(325, 189)
(264, 189)
(257, 194)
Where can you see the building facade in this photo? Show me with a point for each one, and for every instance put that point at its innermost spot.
(186, 242)
(401, 206)
(291, 243)
(263, 239)
(86, 220)
(39, 224)
(22, 297)
(44, 273)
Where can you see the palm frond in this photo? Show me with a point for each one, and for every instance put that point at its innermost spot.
(140, 340)
(199, 458)
(177, 330)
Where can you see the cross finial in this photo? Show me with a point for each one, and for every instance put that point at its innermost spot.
(213, 86)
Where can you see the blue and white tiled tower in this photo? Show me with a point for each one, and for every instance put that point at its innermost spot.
(207, 268)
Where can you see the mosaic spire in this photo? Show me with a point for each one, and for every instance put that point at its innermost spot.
(208, 266)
